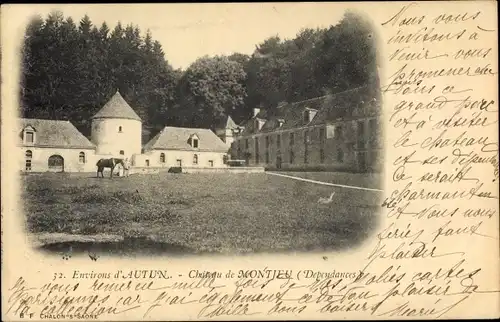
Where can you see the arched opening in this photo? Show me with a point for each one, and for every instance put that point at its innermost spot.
(56, 163)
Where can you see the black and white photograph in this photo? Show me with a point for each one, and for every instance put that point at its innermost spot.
(162, 135)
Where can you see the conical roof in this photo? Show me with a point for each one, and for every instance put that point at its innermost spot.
(117, 108)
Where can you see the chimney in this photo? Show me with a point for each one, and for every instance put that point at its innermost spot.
(256, 111)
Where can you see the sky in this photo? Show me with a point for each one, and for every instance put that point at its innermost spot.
(189, 31)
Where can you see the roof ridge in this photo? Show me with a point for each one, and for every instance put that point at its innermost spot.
(331, 95)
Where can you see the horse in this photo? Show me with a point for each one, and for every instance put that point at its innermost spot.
(108, 163)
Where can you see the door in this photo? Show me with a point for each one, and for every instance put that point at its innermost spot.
(56, 163)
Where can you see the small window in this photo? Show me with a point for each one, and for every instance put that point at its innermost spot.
(322, 156)
(246, 144)
(292, 157)
(195, 143)
(120, 129)
(122, 152)
(292, 138)
(81, 157)
(162, 158)
(322, 135)
(340, 155)
(28, 165)
(195, 159)
(211, 163)
(278, 141)
(29, 154)
(179, 162)
(306, 157)
(267, 156)
(306, 137)
(29, 137)
(306, 116)
(338, 132)
(147, 163)
(267, 141)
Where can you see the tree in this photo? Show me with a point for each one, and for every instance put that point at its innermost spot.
(211, 88)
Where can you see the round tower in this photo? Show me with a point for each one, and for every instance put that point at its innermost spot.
(117, 129)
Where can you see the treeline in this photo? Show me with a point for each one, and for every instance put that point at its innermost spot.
(71, 69)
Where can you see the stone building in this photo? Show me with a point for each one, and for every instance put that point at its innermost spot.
(116, 130)
(338, 132)
(48, 145)
(184, 147)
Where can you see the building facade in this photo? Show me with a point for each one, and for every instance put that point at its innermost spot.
(116, 130)
(335, 132)
(183, 147)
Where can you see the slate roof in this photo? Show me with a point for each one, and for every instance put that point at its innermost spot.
(360, 101)
(52, 133)
(118, 108)
(176, 138)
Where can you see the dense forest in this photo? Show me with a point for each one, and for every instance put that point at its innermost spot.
(70, 69)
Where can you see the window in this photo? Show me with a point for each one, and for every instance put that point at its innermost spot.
(120, 129)
(179, 162)
(322, 135)
(211, 163)
(306, 141)
(147, 163)
(267, 142)
(29, 155)
(195, 159)
(257, 160)
(340, 155)
(306, 116)
(193, 141)
(29, 137)
(162, 157)
(361, 135)
(246, 144)
(278, 141)
(292, 157)
(81, 157)
(322, 156)
(338, 132)
(267, 156)
(122, 152)
(373, 125)
(292, 138)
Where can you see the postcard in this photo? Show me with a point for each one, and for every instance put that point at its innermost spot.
(250, 161)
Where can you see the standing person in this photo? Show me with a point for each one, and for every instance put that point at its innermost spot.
(126, 167)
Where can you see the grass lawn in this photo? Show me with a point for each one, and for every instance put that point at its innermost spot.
(197, 213)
